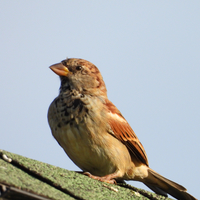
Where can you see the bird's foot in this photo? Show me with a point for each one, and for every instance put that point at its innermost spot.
(107, 178)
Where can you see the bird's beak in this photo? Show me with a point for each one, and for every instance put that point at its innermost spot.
(59, 69)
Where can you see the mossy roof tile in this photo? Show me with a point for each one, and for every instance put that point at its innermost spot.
(56, 183)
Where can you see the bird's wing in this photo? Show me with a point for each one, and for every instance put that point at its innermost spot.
(123, 132)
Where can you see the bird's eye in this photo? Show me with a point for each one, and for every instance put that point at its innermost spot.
(78, 67)
(64, 62)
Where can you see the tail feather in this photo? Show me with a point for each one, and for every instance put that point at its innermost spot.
(162, 186)
(157, 190)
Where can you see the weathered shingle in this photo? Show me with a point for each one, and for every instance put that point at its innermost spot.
(31, 179)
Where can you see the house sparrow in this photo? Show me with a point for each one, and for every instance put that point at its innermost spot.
(95, 135)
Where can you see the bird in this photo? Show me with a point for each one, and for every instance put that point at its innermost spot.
(95, 135)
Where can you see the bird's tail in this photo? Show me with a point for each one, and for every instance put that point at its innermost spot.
(162, 186)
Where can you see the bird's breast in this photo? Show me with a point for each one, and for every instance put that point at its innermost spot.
(81, 129)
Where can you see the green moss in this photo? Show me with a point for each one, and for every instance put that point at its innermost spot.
(12, 176)
(57, 183)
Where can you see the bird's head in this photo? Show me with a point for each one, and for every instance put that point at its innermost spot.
(80, 75)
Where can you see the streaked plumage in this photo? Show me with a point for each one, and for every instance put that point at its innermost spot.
(95, 135)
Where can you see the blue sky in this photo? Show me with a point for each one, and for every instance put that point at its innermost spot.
(148, 54)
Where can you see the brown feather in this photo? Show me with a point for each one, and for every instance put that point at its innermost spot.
(95, 135)
(122, 131)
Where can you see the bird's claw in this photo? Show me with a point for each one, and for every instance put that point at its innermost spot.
(106, 179)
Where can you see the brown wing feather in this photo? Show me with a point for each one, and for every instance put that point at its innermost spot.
(124, 132)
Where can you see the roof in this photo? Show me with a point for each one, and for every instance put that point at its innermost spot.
(25, 178)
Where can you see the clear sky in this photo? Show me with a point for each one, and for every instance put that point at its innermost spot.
(148, 53)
